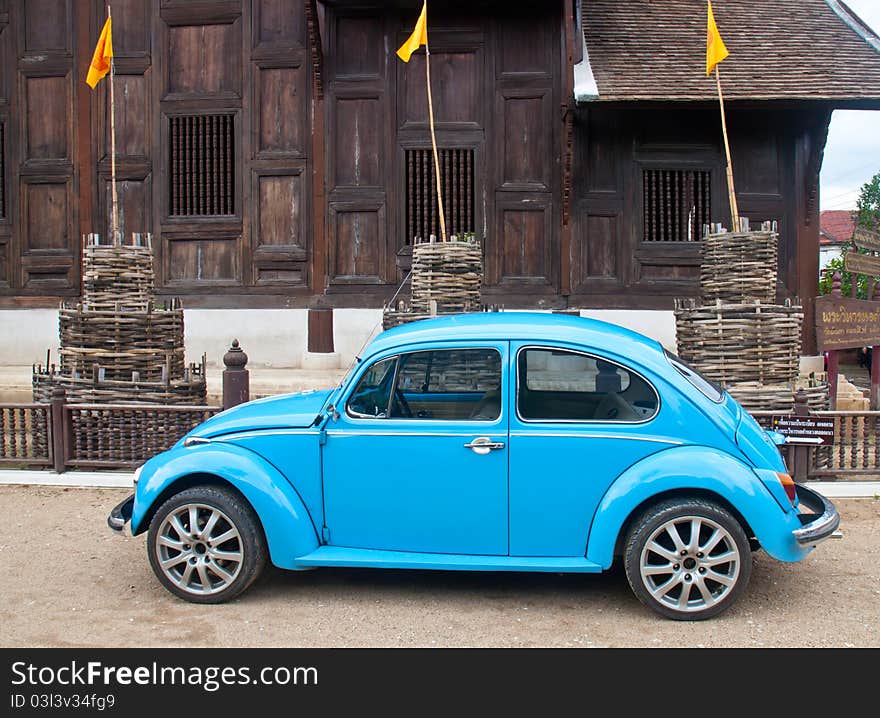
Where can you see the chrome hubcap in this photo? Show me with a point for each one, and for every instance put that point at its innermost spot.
(690, 563)
(199, 549)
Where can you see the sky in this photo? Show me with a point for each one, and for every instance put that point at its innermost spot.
(852, 153)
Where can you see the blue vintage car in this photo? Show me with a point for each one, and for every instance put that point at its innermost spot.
(508, 441)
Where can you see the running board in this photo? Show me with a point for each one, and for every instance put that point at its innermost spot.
(371, 558)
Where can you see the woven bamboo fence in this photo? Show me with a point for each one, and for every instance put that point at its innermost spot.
(448, 274)
(149, 342)
(755, 396)
(104, 435)
(191, 388)
(739, 266)
(741, 342)
(117, 276)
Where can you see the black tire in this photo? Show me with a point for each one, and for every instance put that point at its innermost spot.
(677, 580)
(237, 560)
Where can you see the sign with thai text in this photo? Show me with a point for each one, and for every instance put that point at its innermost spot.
(867, 239)
(862, 264)
(814, 430)
(846, 323)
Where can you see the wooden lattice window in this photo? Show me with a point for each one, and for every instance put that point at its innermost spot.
(457, 183)
(202, 163)
(677, 203)
(2, 170)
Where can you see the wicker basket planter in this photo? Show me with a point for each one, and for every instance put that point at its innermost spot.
(448, 273)
(741, 342)
(117, 276)
(394, 318)
(739, 266)
(190, 389)
(755, 396)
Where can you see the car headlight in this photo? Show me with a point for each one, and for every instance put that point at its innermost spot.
(137, 474)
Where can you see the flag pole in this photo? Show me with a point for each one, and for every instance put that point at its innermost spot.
(734, 212)
(115, 225)
(434, 140)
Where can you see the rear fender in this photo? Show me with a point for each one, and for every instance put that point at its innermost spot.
(700, 469)
(287, 525)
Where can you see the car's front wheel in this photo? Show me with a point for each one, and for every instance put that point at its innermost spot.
(687, 559)
(206, 545)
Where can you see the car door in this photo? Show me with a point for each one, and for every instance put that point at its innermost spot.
(578, 420)
(417, 458)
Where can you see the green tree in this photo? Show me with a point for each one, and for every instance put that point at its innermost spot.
(867, 214)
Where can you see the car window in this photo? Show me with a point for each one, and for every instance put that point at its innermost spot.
(373, 392)
(562, 385)
(448, 384)
(707, 387)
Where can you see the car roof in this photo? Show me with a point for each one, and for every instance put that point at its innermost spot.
(517, 325)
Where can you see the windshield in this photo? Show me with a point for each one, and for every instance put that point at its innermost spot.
(706, 387)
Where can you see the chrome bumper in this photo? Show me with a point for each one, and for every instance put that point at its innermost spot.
(819, 525)
(121, 514)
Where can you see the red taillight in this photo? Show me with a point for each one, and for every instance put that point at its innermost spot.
(789, 486)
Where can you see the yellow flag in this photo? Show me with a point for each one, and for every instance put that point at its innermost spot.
(419, 36)
(100, 64)
(716, 51)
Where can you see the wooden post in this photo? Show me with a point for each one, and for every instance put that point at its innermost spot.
(734, 212)
(800, 453)
(833, 358)
(56, 410)
(236, 378)
(321, 330)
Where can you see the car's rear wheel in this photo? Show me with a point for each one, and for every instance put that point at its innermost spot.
(687, 559)
(206, 545)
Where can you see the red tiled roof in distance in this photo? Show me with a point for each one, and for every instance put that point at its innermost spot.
(837, 226)
(779, 49)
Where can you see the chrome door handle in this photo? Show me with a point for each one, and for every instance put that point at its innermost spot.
(483, 445)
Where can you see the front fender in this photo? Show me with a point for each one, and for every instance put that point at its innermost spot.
(697, 468)
(287, 525)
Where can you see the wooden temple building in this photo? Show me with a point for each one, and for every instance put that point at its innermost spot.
(279, 154)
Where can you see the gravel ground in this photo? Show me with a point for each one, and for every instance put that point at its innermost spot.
(68, 581)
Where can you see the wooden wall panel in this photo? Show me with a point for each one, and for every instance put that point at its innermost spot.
(204, 60)
(48, 26)
(455, 86)
(357, 143)
(210, 261)
(47, 123)
(135, 203)
(531, 165)
(133, 117)
(357, 243)
(524, 251)
(6, 39)
(132, 20)
(278, 24)
(281, 94)
(525, 44)
(280, 200)
(46, 217)
(359, 46)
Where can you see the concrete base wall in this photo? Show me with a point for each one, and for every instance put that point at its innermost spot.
(272, 338)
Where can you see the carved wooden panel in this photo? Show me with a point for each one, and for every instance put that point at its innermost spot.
(135, 204)
(357, 243)
(133, 116)
(455, 87)
(47, 118)
(357, 152)
(359, 47)
(47, 25)
(526, 117)
(278, 24)
(204, 60)
(281, 94)
(207, 261)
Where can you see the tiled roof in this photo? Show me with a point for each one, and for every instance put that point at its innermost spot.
(779, 49)
(836, 226)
